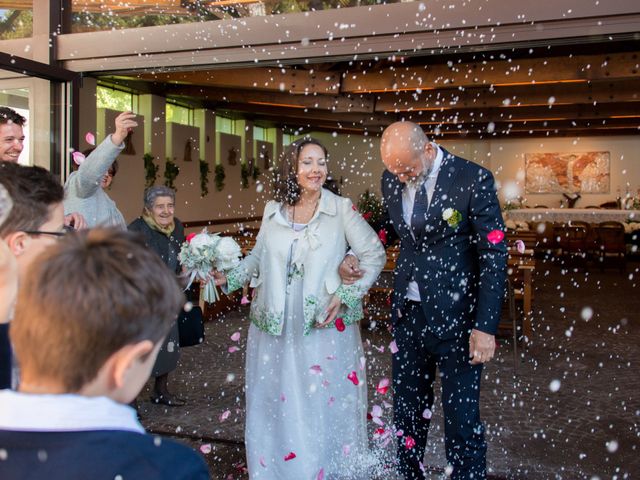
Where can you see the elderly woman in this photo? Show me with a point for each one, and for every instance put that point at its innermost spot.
(85, 188)
(164, 234)
(305, 382)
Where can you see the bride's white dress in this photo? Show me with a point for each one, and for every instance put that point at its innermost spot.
(300, 400)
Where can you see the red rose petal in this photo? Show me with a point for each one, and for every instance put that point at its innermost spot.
(367, 216)
(495, 236)
(353, 376)
(340, 324)
(383, 386)
(289, 456)
(190, 237)
(382, 235)
(90, 138)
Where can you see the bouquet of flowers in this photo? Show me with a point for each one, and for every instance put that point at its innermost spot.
(204, 251)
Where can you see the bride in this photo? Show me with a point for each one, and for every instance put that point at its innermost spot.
(305, 376)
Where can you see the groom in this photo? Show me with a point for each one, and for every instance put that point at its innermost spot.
(448, 291)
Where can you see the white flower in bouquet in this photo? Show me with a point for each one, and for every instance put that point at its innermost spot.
(228, 254)
(197, 256)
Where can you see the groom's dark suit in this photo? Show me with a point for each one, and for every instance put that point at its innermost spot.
(460, 276)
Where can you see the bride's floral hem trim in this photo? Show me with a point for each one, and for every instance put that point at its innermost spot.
(351, 295)
(266, 320)
(309, 311)
(236, 279)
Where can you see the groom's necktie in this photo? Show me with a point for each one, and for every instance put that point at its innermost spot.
(419, 214)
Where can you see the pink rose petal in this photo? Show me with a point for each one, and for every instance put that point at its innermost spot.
(235, 337)
(409, 442)
(393, 348)
(315, 370)
(224, 415)
(386, 404)
(244, 301)
(320, 475)
(289, 456)
(263, 464)
(90, 138)
(520, 246)
(427, 414)
(283, 398)
(78, 158)
(233, 349)
(376, 411)
(495, 236)
(331, 401)
(325, 383)
(383, 386)
(363, 363)
(353, 377)
(206, 448)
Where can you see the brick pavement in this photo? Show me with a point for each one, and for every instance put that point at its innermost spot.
(572, 411)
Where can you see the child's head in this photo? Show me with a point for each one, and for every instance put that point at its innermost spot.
(91, 315)
(37, 216)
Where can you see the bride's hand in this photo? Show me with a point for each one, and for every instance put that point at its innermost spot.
(332, 311)
(219, 278)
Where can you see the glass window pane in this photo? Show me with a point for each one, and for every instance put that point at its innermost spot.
(16, 22)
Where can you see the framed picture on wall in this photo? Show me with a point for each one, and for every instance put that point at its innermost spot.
(585, 172)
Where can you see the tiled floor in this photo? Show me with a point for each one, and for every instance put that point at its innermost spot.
(571, 411)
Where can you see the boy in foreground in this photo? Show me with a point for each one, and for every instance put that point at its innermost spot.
(88, 325)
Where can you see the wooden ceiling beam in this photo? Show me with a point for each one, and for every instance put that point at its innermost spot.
(289, 80)
(333, 103)
(567, 70)
(610, 91)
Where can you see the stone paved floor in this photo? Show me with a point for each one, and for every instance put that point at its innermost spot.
(571, 411)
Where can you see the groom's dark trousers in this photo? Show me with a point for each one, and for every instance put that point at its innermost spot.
(414, 372)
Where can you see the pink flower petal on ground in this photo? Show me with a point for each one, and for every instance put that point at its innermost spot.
(353, 377)
(376, 411)
(262, 462)
(90, 138)
(380, 348)
(315, 370)
(233, 349)
(340, 324)
(331, 357)
(363, 363)
(244, 301)
(495, 236)
(383, 386)
(386, 404)
(393, 348)
(325, 383)
(331, 401)
(224, 415)
(78, 158)
(283, 398)
(520, 246)
(235, 337)
(346, 450)
(206, 448)
(289, 456)
(427, 414)
(320, 475)
(409, 442)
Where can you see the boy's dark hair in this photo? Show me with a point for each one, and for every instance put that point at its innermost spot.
(9, 115)
(85, 298)
(285, 180)
(34, 191)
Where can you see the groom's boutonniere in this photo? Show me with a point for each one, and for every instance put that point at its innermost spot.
(452, 217)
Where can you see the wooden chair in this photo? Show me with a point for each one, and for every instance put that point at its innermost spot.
(573, 242)
(520, 269)
(509, 321)
(611, 244)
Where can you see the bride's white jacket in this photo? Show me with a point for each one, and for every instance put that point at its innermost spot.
(335, 227)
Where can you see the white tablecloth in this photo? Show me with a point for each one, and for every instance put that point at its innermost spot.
(563, 215)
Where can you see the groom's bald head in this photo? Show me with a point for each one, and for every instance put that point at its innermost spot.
(406, 150)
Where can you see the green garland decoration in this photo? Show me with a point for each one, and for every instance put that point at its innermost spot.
(150, 170)
(204, 178)
(171, 171)
(219, 177)
(255, 174)
(244, 175)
